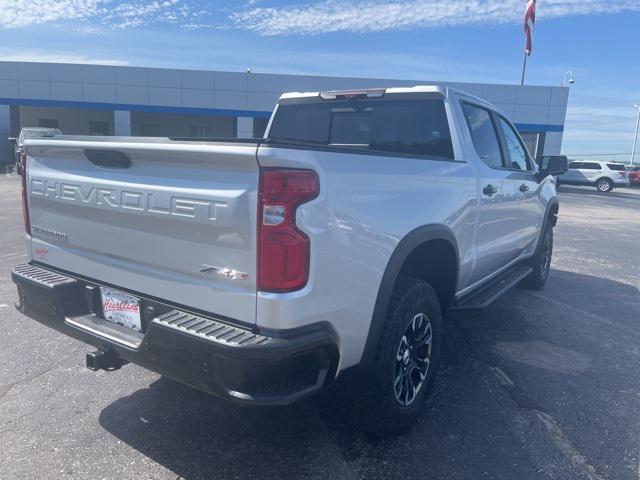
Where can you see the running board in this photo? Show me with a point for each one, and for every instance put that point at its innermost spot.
(486, 295)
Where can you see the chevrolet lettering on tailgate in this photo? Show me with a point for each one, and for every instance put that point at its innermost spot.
(111, 198)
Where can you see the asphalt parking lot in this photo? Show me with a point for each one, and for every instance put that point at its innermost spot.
(540, 385)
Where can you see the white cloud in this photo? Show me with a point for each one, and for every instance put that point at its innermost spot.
(293, 18)
(22, 13)
(105, 13)
(377, 15)
(137, 14)
(88, 29)
(33, 56)
(597, 124)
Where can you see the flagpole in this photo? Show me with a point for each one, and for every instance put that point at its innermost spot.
(529, 22)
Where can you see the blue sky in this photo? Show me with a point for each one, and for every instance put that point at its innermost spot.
(439, 40)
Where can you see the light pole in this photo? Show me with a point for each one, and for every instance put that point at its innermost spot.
(571, 80)
(635, 135)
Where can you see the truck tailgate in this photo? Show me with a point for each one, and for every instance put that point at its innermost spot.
(172, 220)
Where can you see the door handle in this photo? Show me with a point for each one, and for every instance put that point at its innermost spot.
(489, 190)
(524, 188)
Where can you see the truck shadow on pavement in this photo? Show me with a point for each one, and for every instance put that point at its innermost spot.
(529, 354)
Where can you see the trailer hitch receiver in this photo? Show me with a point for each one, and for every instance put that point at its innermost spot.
(101, 360)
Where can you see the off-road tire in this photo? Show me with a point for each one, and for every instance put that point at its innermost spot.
(372, 394)
(541, 261)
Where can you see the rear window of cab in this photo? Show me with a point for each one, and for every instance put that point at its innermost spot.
(408, 127)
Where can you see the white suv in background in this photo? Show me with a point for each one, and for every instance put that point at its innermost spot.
(603, 175)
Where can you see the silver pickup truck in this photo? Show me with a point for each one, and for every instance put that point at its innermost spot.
(261, 271)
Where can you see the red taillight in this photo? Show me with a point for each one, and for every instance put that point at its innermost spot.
(25, 204)
(283, 250)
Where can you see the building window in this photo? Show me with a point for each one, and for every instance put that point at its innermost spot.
(259, 127)
(150, 130)
(200, 131)
(48, 123)
(98, 128)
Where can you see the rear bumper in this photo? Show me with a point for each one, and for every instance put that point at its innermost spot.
(210, 354)
(621, 182)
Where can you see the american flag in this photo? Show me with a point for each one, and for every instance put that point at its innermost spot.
(529, 22)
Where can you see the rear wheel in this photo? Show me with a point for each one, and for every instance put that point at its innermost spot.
(541, 261)
(604, 185)
(389, 396)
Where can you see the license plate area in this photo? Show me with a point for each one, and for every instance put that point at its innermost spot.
(121, 308)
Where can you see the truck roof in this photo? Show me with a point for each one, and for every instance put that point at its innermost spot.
(441, 89)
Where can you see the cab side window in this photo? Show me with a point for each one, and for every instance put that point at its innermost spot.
(517, 157)
(483, 134)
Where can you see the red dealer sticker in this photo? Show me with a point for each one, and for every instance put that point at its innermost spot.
(121, 308)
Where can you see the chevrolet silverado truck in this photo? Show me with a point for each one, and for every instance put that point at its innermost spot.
(263, 270)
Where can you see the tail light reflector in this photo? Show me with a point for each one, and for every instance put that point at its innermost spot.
(283, 250)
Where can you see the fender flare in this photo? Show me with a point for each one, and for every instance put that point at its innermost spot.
(550, 214)
(553, 203)
(402, 251)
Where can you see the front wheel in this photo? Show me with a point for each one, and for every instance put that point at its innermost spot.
(541, 261)
(390, 395)
(604, 185)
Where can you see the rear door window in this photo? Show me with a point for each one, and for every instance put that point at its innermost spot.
(411, 127)
(617, 167)
(575, 165)
(483, 134)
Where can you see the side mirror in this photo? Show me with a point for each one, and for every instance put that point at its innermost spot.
(556, 165)
(13, 140)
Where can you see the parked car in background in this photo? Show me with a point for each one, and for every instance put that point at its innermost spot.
(603, 175)
(30, 132)
(634, 176)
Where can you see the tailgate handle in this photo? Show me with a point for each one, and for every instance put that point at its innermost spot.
(108, 158)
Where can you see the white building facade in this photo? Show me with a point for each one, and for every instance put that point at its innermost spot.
(110, 100)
